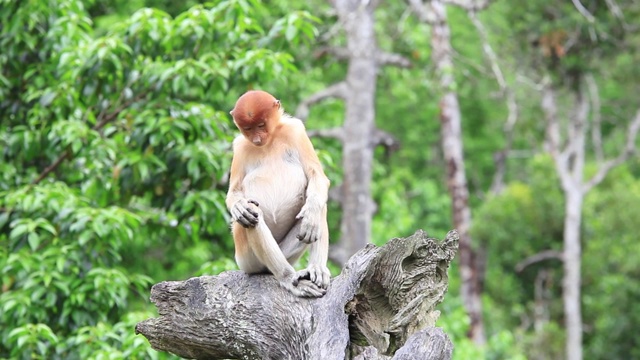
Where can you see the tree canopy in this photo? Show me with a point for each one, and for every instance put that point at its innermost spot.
(115, 146)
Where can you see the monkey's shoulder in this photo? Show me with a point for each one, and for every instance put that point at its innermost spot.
(291, 128)
(291, 121)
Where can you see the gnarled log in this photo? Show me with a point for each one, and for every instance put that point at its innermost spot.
(382, 306)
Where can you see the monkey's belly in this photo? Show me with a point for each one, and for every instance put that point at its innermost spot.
(280, 190)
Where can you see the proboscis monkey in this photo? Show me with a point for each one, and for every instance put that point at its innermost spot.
(278, 196)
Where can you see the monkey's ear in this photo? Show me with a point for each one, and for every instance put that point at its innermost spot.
(276, 103)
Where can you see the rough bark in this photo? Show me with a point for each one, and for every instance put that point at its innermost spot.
(358, 135)
(357, 18)
(382, 306)
(569, 166)
(435, 13)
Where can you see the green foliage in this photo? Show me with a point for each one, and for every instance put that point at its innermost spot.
(406, 205)
(127, 101)
(115, 147)
(524, 220)
(503, 344)
(561, 42)
(610, 296)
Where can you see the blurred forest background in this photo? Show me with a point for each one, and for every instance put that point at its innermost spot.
(512, 121)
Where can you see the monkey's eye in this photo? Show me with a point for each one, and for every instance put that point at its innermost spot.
(261, 125)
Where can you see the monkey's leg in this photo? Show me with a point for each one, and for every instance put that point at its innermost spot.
(319, 252)
(245, 257)
(317, 270)
(291, 246)
(263, 246)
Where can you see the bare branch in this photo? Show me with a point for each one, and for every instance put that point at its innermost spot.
(529, 82)
(542, 295)
(617, 12)
(334, 29)
(337, 90)
(379, 137)
(583, 11)
(105, 120)
(385, 139)
(512, 106)
(339, 52)
(596, 134)
(333, 133)
(421, 11)
(470, 5)
(541, 256)
(385, 58)
(552, 143)
(615, 9)
(51, 167)
(500, 161)
(382, 58)
(577, 133)
(488, 50)
(625, 153)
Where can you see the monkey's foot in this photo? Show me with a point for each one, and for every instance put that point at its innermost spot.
(303, 288)
(317, 274)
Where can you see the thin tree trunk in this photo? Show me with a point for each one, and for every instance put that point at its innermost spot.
(357, 152)
(569, 161)
(574, 197)
(358, 135)
(571, 279)
(451, 133)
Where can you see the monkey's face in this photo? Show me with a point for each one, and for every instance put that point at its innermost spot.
(255, 114)
(258, 134)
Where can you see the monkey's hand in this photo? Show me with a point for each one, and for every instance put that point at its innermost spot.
(310, 229)
(302, 287)
(317, 274)
(245, 212)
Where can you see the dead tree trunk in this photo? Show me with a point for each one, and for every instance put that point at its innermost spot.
(434, 12)
(569, 156)
(359, 135)
(382, 306)
(357, 153)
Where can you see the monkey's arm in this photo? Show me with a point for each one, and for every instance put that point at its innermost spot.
(317, 191)
(238, 205)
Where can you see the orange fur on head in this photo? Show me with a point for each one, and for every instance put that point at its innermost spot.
(254, 107)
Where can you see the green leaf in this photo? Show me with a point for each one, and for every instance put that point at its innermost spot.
(47, 98)
(291, 32)
(76, 145)
(85, 237)
(18, 231)
(45, 225)
(34, 241)
(7, 306)
(37, 294)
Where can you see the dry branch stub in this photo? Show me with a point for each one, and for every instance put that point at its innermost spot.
(382, 306)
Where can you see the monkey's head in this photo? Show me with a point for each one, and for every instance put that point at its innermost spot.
(256, 114)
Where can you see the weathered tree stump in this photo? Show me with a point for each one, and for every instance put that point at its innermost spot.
(382, 306)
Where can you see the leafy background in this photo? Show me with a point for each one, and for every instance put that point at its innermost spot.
(132, 99)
